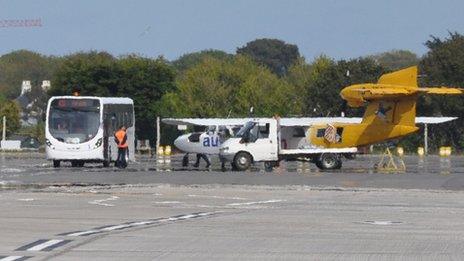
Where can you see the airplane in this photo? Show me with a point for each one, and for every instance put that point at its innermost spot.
(209, 141)
(390, 112)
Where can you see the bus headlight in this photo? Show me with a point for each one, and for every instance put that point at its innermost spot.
(98, 143)
(49, 144)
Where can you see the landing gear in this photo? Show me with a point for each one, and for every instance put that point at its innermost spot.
(56, 163)
(390, 162)
(329, 161)
(269, 165)
(185, 160)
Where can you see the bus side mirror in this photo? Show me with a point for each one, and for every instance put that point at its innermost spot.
(44, 116)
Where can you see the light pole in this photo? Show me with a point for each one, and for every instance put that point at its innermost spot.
(4, 128)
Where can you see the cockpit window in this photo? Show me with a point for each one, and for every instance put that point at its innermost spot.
(194, 137)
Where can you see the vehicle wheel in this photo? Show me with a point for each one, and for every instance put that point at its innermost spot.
(106, 163)
(242, 161)
(329, 161)
(232, 164)
(56, 163)
(77, 163)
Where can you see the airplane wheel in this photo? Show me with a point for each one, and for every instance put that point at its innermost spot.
(185, 160)
(242, 161)
(329, 161)
(56, 163)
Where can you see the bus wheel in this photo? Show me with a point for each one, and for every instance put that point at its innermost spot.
(56, 163)
(106, 163)
(242, 161)
(329, 161)
(77, 163)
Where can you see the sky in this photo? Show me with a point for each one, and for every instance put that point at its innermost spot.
(340, 29)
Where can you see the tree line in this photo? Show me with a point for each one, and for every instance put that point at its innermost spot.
(268, 74)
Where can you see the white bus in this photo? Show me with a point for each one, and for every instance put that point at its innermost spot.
(81, 129)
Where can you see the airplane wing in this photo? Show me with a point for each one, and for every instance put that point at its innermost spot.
(206, 121)
(433, 120)
(316, 121)
(325, 120)
(289, 122)
(441, 90)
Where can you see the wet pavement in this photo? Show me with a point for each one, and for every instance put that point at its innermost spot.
(432, 172)
(157, 210)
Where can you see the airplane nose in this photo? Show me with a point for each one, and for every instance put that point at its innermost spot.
(181, 142)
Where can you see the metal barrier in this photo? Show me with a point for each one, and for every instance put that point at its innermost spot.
(143, 146)
(163, 158)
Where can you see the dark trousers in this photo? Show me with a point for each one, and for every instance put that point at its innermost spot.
(121, 161)
(202, 156)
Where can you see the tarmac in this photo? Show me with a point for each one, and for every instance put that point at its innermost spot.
(157, 210)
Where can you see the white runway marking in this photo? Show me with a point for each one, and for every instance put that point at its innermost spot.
(116, 227)
(11, 170)
(83, 233)
(255, 202)
(218, 197)
(26, 199)
(100, 202)
(12, 258)
(43, 245)
(382, 222)
(137, 224)
(167, 202)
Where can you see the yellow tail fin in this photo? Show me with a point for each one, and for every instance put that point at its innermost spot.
(394, 110)
(405, 77)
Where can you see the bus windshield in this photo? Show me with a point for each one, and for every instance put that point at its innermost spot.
(74, 120)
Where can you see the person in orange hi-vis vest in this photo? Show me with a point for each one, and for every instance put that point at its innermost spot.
(120, 137)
